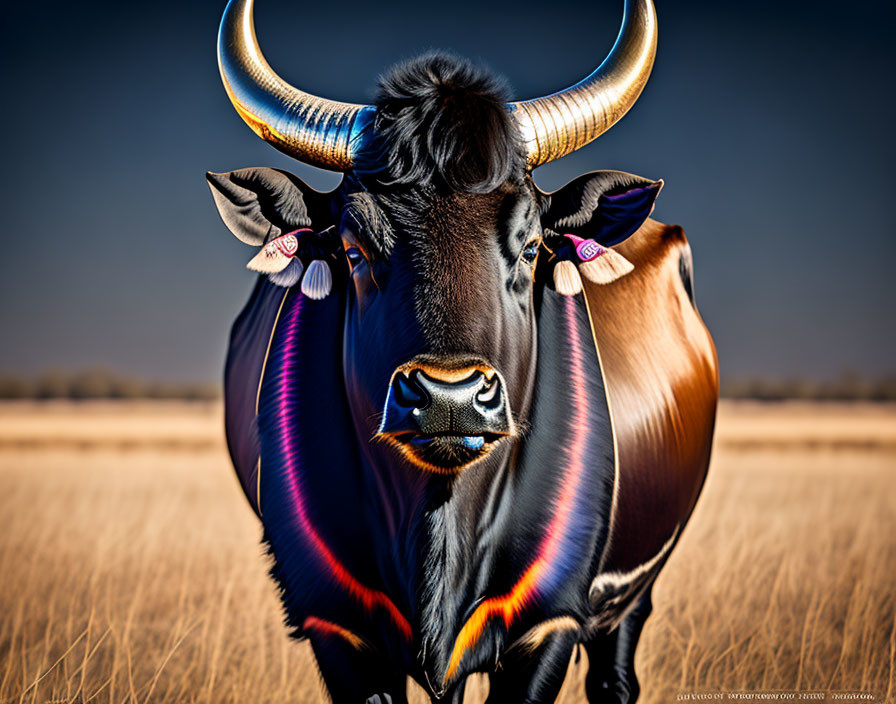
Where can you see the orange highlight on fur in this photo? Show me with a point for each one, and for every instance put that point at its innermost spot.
(329, 628)
(507, 606)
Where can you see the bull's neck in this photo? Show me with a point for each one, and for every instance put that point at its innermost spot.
(464, 527)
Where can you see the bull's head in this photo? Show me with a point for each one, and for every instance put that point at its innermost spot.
(437, 233)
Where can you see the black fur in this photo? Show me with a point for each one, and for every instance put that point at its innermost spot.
(442, 122)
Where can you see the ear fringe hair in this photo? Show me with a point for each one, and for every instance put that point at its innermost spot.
(288, 277)
(280, 259)
(606, 268)
(597, 263)
(566, 278)
(269, 260)
(318, 280)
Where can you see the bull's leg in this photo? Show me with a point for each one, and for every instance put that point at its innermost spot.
(536, 676)
(611, 658)
(357, 676)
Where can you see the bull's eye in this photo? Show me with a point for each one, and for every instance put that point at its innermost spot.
(530, 253)
(354, 256)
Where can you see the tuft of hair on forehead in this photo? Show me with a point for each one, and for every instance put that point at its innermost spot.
(442, 122)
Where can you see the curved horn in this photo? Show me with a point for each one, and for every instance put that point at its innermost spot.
(558, 124)
(314, 130)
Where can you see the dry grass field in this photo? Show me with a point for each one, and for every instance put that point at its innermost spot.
(130, 569)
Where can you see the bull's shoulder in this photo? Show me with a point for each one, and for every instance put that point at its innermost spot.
(646, 323)
(660, 370)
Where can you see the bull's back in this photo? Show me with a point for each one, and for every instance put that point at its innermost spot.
(661, 372)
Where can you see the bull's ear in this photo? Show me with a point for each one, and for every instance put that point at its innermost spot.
(604, 206)
(260, 203)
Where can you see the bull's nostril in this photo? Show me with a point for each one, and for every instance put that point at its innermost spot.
(446, 411)
(408, 392)
(490, 395)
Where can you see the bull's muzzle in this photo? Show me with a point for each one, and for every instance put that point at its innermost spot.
(443, 419)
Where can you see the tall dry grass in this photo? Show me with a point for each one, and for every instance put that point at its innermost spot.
(131, 571)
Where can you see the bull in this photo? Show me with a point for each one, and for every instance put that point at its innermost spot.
(472, 416)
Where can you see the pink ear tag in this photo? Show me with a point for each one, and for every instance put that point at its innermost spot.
(587, 250)
(287, 245)
(277, 254)
(599, 264)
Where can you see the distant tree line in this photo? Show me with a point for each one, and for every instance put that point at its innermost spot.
(849, 386)
(101, 384)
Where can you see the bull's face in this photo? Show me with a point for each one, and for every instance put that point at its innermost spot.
(440, 289)
(439, 328)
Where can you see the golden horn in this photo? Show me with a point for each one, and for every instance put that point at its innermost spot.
(555, 125)
(314, 130)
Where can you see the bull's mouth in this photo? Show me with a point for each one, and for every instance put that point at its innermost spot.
(444, 453)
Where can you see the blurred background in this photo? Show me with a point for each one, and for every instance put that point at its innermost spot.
(130, 564)
(770, 123)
